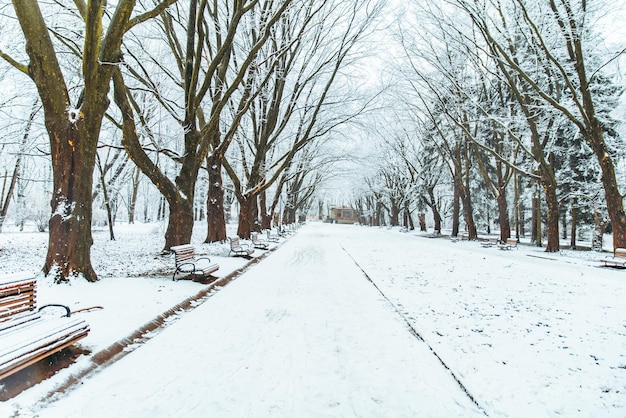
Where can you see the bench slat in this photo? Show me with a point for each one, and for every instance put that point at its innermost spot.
(19, 320)
(40, 329)
(14, 301)
(28, 349)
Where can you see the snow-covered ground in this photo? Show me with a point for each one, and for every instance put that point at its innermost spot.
(341, 321)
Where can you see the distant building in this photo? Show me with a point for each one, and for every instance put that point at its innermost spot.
(343, 215)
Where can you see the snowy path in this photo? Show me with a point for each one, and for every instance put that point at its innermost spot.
(303, 334)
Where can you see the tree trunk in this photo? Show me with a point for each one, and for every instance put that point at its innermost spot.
(468, 210)
(598, 231)
(9, 193)
(18, 165)
(266, 216)
(105, 197)
(421, 217)
(503, 214)
(594, 134)
(394, 214)
(553, 217)
(456, 207)
(70, 240)
(132, 204)
(378, 214)
(245, 216)
(180, 224)
(517, 208)
(614, 199)
(469, 217)
(537, 221)
(216, 224)
(410, 219)
(255, 225)
(435, 209)
(574, 223)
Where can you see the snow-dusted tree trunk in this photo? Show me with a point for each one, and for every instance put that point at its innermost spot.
(216, 223)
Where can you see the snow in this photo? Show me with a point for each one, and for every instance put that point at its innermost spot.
(339, 321)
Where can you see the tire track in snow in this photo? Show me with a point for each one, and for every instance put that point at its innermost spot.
(416, 334)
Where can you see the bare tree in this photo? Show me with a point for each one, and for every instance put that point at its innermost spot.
(560, 35)
(302, 104)
(207, 73)
(74, 125)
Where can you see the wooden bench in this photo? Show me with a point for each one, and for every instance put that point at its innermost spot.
(26, 336)
(286, 230)
(509, 244)
(490, 242)
(460, 236)
(257, 242)
(618, 260)
(272, 237)
(195, 268)
(239, 249)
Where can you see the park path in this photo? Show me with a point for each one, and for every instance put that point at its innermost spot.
(303, 333)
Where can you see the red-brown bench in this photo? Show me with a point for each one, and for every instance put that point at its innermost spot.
(509, 244)
(192, 267)
(257, 242)
(239, 249)
(618, 259)
(26, 336)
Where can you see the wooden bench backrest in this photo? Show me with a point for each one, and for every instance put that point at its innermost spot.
(183, 253)
(17, 297)
(511, 241)
(620, 252)
(234, 242)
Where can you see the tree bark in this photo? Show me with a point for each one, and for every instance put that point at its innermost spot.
(105, 197)
(456, 207)
(503, 214)
(421, 217)
(266, 215)
(216, 224)
(245, 216)
(553, 217)
(132, 204)
(574, 223)
(435, 209)
(70, 240)
(180, 224)
(394, 213)
(598, 231)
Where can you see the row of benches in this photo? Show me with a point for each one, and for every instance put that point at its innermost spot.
(198, 268)
(617, 260)
(509, 244)
(28, 335)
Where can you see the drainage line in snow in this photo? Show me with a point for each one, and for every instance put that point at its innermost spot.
(416, 333)
(127, 345)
